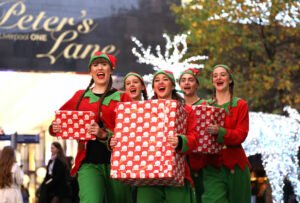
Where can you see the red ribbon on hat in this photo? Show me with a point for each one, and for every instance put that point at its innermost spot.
(194, 70)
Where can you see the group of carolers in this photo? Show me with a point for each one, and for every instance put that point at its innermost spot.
(209, 178)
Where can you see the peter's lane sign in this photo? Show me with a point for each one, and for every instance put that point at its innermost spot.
(55, 35)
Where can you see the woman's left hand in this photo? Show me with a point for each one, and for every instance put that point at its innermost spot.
(173, 141)
(213, 129)
(94, 129)
(113, 142)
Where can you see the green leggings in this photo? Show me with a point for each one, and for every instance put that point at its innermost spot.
(226, 186)
(166, 194)
(96, 186)
(197, 177)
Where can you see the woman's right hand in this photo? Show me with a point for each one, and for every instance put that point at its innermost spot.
(113, 142)
(213, 129)
(56, 127)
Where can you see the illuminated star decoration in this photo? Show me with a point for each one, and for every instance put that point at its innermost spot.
(171, 60)
(276, 138)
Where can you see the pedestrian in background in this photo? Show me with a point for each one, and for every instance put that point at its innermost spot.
(56, 187)
(11, 177)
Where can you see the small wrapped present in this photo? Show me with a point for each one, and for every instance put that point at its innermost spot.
(206, 115)
(74, 124)
(143, 156)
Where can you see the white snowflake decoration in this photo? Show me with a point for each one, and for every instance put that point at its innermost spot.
(171, 60)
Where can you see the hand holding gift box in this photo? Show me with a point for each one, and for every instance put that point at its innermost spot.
(206, 115)
(74, 124)
(143, 155)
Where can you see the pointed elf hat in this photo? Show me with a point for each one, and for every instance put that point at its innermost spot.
(110, 58)
(136, 75)
(168, 73)
(192, 71)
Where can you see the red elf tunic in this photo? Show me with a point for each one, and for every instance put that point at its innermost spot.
(188, 141)
(232, 135)
(90, 102)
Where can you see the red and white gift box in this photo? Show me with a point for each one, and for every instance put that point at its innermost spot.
(143, 156)
(74, 124)
(206, 115)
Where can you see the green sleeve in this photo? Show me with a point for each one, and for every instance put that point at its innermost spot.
(221, 134)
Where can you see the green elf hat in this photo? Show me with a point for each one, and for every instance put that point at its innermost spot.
(228, 70)
(110, 58)
(169, 74)
(192, 71)
(136, 75)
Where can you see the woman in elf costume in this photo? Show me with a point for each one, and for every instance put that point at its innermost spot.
(226, 176)
(134, 85)
(189, 83)
(92, 161)
(164, 88)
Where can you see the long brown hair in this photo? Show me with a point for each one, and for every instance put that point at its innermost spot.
(7, 159)
(61, 154)
(109, 86)
(174, 96)
(140, 78)
(231, 86)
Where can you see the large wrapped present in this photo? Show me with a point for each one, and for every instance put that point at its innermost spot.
(206, 115)
(74, 124)
(143, 156)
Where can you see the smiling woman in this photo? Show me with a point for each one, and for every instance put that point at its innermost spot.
(164, 88)
(92, 163)
(189, 83)
(163, 85)
(226, 175)
(135, 86)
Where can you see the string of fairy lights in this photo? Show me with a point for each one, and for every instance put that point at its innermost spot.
(275, 137)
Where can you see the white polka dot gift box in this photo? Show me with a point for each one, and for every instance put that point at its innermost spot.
(74, 124)
(207, 115)
(142, 155)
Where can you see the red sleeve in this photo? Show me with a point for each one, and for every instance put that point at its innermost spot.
(236, 125)
(189, 139)
(125, 97)
(71, 103)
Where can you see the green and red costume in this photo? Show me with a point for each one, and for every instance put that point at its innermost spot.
(226, 176)
(197, 174)
(184, 194)
(92, 161)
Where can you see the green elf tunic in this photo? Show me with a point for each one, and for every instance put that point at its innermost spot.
(92, 162)
(226, 176)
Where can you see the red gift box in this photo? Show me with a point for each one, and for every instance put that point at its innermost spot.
(206, 115)
(74, 124)
(143, 156)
